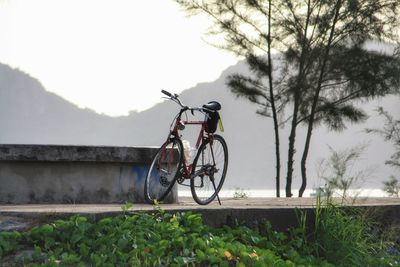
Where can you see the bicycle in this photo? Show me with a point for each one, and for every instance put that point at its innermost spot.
(207, 171)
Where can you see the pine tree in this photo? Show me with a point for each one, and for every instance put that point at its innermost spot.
(326, 42)
(247, 27)
(327, 64)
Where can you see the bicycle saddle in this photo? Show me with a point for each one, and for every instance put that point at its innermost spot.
(213, 105)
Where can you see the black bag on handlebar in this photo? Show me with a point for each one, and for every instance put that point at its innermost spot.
(212, 121)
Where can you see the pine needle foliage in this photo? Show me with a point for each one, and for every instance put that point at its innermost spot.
(317, 55)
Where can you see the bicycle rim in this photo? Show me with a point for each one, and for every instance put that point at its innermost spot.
(163, 171)
(209, 168)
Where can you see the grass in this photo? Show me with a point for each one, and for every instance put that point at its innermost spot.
(349, 236)
(342, 236)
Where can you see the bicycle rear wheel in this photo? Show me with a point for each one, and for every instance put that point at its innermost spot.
(209, 170)
(163, 171)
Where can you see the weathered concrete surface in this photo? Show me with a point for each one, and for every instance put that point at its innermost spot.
(57, 153)
(281, 212)
(74, 174)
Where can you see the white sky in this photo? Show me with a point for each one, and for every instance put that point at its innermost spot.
(110, 56)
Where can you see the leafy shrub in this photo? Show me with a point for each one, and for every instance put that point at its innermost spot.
(146, 240)
(162, 239)
(9, 241)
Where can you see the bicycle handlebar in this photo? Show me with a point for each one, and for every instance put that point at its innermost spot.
(166, 93)
(175, 98)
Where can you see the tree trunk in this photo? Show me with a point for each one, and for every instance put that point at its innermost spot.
(272, 100)
(277, 152)
(297, 102)
(291, 151)
(315, 102)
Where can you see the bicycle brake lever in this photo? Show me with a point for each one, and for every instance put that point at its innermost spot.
(192, 111)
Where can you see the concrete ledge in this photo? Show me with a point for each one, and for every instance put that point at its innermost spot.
(74, 174)
(282, 213)
(57, 153)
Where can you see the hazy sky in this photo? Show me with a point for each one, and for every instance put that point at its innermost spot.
(110, 56)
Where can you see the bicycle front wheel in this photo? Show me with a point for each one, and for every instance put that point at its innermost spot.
(209, 170)
(163, 171)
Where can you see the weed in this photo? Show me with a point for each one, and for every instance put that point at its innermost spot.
(337, 171)
(240, 194)
(125, 208)
(392, 187)
(344, 237)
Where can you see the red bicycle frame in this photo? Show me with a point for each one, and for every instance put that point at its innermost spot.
(203, 134)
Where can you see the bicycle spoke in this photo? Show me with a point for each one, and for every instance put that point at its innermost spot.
(163, 171)
(211, 161)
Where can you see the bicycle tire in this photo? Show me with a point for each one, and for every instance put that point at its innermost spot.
(205, 186)
(163, 171)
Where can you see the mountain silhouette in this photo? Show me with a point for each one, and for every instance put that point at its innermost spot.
(31, 115)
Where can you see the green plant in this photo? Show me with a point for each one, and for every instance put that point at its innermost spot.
(392, 187)
(346, 236)
(160, 239)
(182, 239)
(341, 238)
(337, 170)
(125, 208)
(391, 133)
(239, 194)
(9, 241)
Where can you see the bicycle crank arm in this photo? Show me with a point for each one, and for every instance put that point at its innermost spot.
(203, 171)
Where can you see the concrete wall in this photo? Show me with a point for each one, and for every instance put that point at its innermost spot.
(74, 174)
